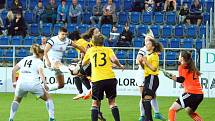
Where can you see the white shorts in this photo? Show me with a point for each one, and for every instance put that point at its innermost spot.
(23, 88)
(139, 78)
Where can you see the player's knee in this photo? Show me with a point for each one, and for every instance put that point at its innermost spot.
(60, 78)
(189, 111)
(147, 97)
(95, 103)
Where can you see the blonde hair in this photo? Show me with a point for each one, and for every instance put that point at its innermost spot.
(35, 49)
(10, 15)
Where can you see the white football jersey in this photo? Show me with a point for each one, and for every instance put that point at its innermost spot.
(58, 48)
(142, 52)
(29, 69)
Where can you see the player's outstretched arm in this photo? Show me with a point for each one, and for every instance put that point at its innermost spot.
(46, 50)
(42, 77)
(15, 69)
(83, 50)
(115, 60)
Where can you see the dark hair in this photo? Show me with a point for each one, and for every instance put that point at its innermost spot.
(35, 48)
(63, 29)
(187, 56)
(75, 35)
(98, 40)
(157, 45)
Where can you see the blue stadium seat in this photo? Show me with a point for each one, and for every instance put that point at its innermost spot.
(8, 3)
(9, 55)
(82, 3)
(138, 42)
(127, 5)
(4, 16)
(167, 31)
(199, 44)
(175, 43)
(161, 59)
(121, 55)
(71, 54)
(57, 26)
(130, 58)
(71, 27)
(46, 29)
(135, 18)
(90, 5)
(22, 53)
(118, 5)
(29, 17)
(83, 28)
(32, 4)
(16, 40)
(156, 30)
(159, 18)
(95, 25)
(120, 28)
(4, 40)
(191, 31)
(24, 4)
(187, 43)
(188, 2)
(28, 40)
(147, 17)
(171, 18)
(164, 42)
(34, 30)
(1, 55)
(209, 5)
(202, 31)
(206, 17)
(132, 28)
(171, 58)
(142, 29)
(179, 31)
(123, 18)
(106, 29)
(38, 40)
(86, 17)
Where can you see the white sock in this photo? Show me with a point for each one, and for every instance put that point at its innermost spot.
(53, 87)
(154, 104)
(142, 111)
(50, 108)
(13, 109)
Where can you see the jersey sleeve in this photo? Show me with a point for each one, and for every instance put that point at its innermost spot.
(87, 56)
(20, 63)
(142, 52)
(50, 41)
(110, 52)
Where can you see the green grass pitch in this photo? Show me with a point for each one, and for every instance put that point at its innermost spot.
(67, 109)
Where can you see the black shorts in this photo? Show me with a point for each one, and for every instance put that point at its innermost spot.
(190, 100)
(150, 85)
(86, 70)
(108, 86)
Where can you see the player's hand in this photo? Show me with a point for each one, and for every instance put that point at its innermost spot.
(174, 77)
(48, 63)
(122, 67)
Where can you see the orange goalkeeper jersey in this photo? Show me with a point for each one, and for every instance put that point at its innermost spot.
(191, 83)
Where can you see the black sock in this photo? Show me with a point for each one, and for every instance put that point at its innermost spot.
(148, 111)
(78, 84)
(115, 113)
(94, 113)
(86, 82)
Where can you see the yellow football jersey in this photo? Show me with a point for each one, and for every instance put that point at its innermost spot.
(153, 59)
(100, 58)
(83, 43)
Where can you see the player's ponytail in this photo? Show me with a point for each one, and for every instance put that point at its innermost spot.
(187, 56)
(35, 49)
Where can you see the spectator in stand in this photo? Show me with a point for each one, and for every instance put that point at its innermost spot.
(170, 5)
(109, 15)
(8, 22)
(50, 13)
(149, 5)
(184, 12)
(62, 12)
(138, 5)
(114, 36)
(38, 11)
(1, 27)
(16, 6)
(195, 16)
(75, 12)
(158, 5)
(125, 37)
(97, 13)
(18, 27)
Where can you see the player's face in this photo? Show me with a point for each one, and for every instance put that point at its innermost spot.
(62, 35)
(149, 46)
(96, 32)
